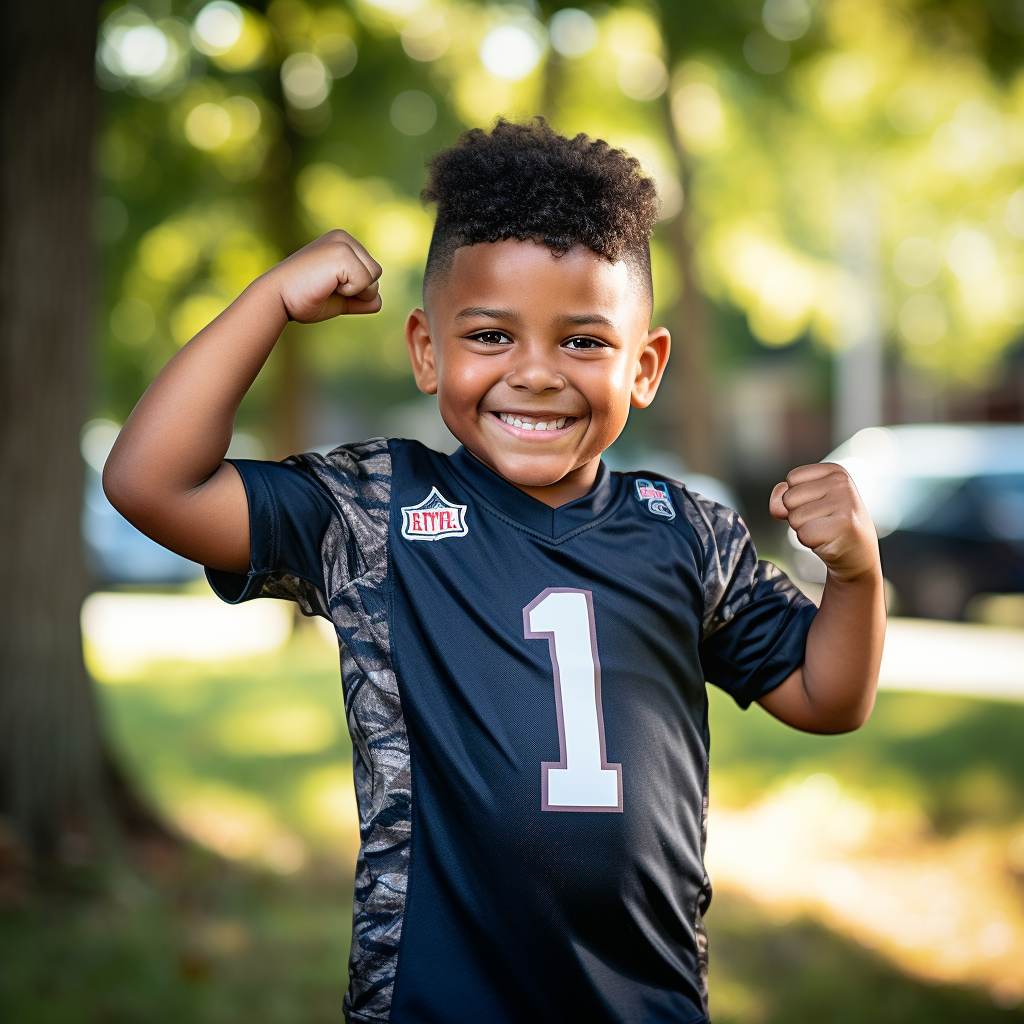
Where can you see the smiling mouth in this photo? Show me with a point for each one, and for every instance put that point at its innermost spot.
(549, 423)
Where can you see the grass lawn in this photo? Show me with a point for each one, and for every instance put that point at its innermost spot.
(252, 759)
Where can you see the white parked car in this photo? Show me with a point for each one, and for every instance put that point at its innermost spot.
(947, 501)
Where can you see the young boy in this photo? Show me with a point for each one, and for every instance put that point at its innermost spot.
(525, 636)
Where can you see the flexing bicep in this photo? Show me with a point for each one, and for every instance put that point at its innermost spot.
(208, 523)
(789, 703)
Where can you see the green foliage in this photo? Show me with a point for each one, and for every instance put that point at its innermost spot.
(232, 135)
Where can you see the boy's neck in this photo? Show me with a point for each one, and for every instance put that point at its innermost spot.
(572, 486)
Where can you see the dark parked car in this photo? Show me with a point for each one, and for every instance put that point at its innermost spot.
(948, 503)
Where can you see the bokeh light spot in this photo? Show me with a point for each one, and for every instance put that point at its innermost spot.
(207, 126)
(764, 53)
(910, 109)
(510, 51)
(192, 314)
(338, 52)
(845, 81)
(1015, 214)
(217, 27)
(642, 76)
(573, 32)
(167, 254)
(132, 321)
(971, 254)
(143, 50)
(786, 19)
(245, 118)
(698, 116)
(425, 36)
(922, 320)
(413, 112)
(305, 80)
(917, 261)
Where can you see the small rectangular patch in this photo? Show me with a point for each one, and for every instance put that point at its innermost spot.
(655, 493)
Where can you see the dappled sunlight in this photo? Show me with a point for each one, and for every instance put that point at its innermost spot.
(238, 825)
(946, 909)
(247, 756)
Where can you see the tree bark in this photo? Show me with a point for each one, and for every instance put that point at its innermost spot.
(57, 783)
(688, 376)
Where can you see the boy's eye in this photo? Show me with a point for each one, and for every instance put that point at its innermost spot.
(583, 344)
(492, 338)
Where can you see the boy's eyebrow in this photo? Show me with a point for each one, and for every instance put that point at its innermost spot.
(582, 319)
(568, 320)
(492, 314)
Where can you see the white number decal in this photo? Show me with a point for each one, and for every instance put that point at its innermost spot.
(582, 780)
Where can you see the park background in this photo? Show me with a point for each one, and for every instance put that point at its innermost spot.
(841, 246)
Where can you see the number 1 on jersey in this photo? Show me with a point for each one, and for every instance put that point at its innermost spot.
(582, 780)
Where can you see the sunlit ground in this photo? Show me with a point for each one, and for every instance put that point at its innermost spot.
(249, 757)
(876, 876)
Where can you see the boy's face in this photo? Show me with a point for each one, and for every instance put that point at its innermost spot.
(536, 358)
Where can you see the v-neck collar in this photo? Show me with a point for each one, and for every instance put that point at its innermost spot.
(529, 511)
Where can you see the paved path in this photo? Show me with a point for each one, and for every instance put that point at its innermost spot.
(953, 657)
(124, 631)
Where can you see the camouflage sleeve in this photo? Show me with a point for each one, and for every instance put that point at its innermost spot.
(755, 620)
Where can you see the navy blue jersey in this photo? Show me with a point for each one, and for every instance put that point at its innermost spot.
(525, 688)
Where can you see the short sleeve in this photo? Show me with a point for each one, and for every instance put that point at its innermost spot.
(289, 514)
(755, 623)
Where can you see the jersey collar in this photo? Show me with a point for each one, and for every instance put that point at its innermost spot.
(515, 504)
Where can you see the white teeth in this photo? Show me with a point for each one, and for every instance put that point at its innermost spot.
(525, 423)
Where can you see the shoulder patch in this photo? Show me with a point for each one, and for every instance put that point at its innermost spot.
(434, 518)
(655, 493)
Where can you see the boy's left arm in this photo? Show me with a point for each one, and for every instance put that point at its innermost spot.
(834, 690)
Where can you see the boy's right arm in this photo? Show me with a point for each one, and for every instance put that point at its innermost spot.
(166, 472)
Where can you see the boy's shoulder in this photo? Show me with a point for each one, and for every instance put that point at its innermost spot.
(365, 469)
(713, 522)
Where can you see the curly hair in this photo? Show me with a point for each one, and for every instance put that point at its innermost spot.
(526, 181)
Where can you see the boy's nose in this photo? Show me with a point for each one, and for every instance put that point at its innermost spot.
(534, 374)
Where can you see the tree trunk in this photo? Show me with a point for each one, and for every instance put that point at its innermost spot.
(688, 376)
(57, 785)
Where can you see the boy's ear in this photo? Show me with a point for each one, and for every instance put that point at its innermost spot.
(421, 351)
(650, 367)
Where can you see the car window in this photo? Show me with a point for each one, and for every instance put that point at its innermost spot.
(1002, 505)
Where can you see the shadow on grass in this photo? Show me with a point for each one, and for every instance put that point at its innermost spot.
(799, 972)
(206, 943)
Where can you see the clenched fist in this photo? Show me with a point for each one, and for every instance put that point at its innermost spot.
(330, 276)
(822, 505)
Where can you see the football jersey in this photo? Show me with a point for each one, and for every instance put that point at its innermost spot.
(525, 690)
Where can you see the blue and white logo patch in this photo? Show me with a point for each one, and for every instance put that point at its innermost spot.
(655, 493)
(434, 518)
